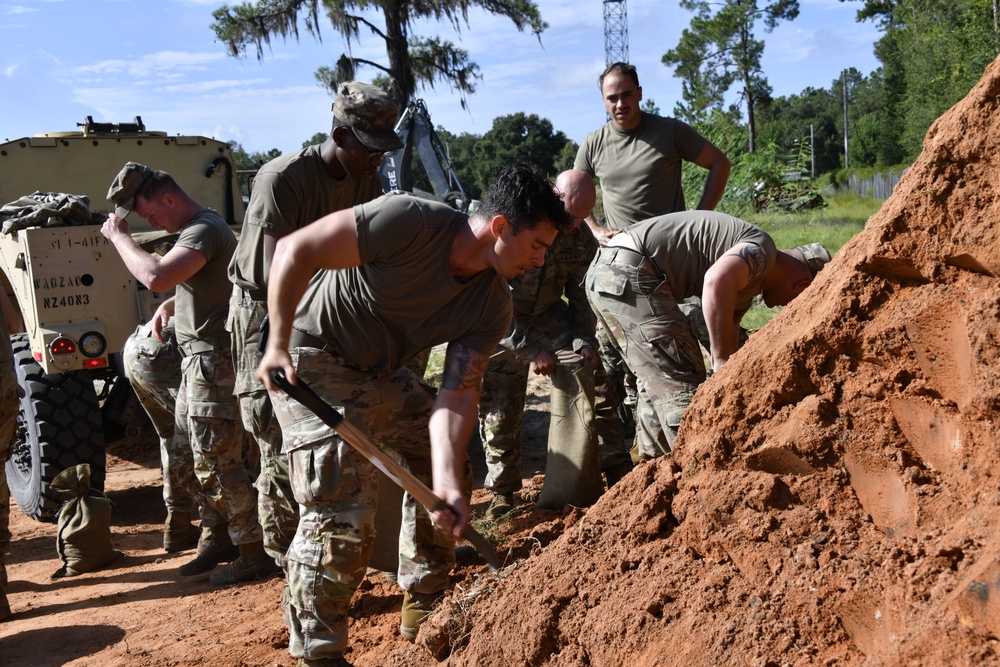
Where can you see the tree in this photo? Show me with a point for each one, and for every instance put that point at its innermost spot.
(719, 50)
(317, 138)
(412, 61)
(516, 138)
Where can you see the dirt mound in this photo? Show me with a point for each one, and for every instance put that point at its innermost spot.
(833, 498)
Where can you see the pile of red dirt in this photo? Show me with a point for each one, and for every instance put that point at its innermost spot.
(833, 497)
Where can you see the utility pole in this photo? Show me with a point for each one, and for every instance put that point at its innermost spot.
(847, 159)
(615, 32)
(812, 153)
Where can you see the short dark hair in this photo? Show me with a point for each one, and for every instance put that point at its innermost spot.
(160, 182)
(523, 195)
(619, 68)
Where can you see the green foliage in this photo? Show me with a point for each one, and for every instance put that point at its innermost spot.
(719, 50)
(316, 139)
(649, 106)
(412, 61)
(517, 138)
(566, 157)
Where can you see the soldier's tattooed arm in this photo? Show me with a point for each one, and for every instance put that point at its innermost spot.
(753, 256)
(463, 368)
(456, 412)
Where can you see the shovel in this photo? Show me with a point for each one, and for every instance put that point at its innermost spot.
(304, 394)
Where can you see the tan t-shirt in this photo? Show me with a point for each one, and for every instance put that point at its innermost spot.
(202, 301)
(640, 170)
(403, 298)
(684, 245)
(290, 192)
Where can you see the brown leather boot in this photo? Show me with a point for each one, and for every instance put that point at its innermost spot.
(5, 612)
(179, 533)
(214, 547)
(252, 564)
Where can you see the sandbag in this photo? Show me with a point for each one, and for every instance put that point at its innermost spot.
(572, 466)
(83, 538)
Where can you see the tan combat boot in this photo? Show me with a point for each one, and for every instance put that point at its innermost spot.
(214, 547)
(416, 607)
(252, 564)
(179, 533)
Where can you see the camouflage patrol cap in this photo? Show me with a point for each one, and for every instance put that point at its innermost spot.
(370, 112)
(815, 255)
(126, 185)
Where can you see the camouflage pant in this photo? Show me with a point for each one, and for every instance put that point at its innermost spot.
(154, 370)
(276, 507)
(501, 409)
(337, 492)
(654, 338)
(207, 422)
(9, 406)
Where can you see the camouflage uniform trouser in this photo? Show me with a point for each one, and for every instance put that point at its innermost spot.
(154, 370)
(654, 338)
(501, 409)
(207, 421)
(336, 488)
(276, 507)
(9, 407)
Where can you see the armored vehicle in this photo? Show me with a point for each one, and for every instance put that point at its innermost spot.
(77, 300)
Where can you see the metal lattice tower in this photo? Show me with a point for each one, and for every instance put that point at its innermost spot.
(615, 32)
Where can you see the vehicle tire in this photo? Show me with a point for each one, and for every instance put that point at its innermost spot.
(58, 426)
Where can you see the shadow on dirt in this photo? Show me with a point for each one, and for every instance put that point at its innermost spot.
(28, 648)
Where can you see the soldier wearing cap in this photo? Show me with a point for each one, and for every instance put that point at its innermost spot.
(289, 193)
(206, 410)
(636, 282)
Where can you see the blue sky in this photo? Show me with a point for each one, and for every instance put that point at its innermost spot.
(62, 60)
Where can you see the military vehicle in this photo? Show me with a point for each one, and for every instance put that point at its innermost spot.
(77, 300)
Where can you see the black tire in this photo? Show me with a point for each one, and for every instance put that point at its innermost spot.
(59, 426)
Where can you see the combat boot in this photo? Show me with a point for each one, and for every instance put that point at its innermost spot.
(214, 547)
(252, 564)
(416, 607)
(501, 504)
(179, 533)
(4, 607)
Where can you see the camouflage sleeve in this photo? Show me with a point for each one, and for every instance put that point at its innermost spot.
(582, 320)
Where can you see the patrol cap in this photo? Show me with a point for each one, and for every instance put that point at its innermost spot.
(126, 185)
(370, 112)
(815, 255)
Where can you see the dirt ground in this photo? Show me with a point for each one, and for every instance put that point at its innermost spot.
(137, 611)
(833, 497)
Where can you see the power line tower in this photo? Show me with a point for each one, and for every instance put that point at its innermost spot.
(615, 32)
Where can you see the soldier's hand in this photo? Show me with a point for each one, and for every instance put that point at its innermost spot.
(455, 519)
(161, 318)
(275, 359)
(589, 354)
(543, 364)
(114, 225)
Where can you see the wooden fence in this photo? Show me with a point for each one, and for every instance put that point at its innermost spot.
(878, 186)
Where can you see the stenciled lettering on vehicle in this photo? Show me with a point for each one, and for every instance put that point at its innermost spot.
(65, 300)
(57, 282)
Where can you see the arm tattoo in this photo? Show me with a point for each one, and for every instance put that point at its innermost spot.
(754, 257)
(463, 368)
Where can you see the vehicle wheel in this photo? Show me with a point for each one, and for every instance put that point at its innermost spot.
(59, 426)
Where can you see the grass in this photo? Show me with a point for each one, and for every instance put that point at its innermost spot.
(833, 226)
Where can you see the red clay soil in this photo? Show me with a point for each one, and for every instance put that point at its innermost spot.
(833, 498)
